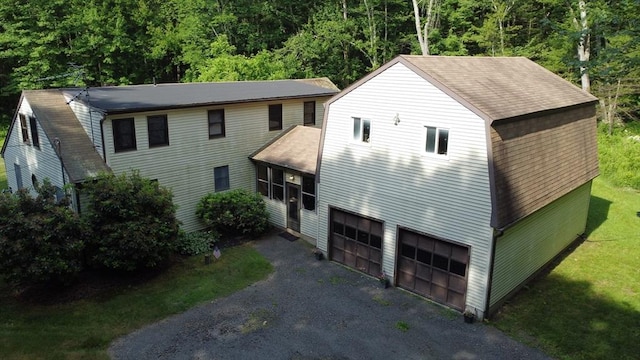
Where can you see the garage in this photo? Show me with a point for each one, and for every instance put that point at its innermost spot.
(356, 241)
(434, 268)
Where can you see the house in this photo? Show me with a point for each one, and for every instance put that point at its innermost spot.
(192, 138)
(459, 178)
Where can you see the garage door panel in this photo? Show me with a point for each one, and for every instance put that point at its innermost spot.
(438, 268)
(356, 241)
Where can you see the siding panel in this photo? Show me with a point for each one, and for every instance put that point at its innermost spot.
(393, 180)
(534, 241)
(186, 165)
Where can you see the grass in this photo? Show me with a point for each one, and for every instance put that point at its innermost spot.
(588, 307)
(84, 329)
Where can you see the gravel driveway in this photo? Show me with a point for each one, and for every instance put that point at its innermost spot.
(309, 309)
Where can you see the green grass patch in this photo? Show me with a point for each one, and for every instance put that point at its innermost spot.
(619, 155)
(588, 307)
(402, 326)
(84, 329)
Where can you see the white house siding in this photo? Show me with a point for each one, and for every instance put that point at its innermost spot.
(392, 180)
(43, 162)
(533, 242)
(90, 121)
(186, 165)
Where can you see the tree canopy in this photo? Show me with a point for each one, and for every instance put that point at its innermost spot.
(57, 43)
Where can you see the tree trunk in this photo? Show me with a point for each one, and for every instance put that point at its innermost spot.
(584, 49)
(421, 41)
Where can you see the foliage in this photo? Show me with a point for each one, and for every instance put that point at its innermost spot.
(619, 155)
(41, 240)
(196, 242)
(587, 307)
(236, 212)
(85, 328)
(132, 220)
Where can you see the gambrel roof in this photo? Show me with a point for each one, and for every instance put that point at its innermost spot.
(541, 129)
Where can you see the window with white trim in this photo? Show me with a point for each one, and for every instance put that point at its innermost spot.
(309, 192)
(221, 178)
(437, 140)
(361, 130)
(277, 184)
(309, 113)
(262, 172)
(24, 128)
(35, 140)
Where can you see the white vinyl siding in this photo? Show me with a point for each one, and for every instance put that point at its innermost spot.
(40, 161)
(186, 165)
(533, 242)
(392, 181)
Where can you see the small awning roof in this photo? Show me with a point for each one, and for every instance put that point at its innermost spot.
(295, 149)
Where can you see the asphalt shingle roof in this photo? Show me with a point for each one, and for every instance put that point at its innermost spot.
(295, 149)
(134, 98)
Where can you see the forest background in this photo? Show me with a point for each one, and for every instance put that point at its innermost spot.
(56, 43)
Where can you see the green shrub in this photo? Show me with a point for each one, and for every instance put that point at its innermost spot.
(196, 242)
(619, 155)
(132, 220)
(41, 241)
(236, 212)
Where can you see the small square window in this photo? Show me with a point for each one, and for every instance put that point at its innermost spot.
(216, 123)
(275, 117)
(124, 134)
(309, 113)
(361, 130)
(158, 130)
(221, 178)
(437, 140)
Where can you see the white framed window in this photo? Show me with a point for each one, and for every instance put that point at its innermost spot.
(436, 140)
(309, 193)
(221, 178)
(361, 130)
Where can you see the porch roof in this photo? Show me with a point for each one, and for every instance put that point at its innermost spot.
(295, 149)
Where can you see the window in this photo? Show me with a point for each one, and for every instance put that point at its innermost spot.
(361, 130)
(437, 140)
(277, 184)
(263, 179)
(34, 181)
(34, 131)
(158, 130)
(23, 127)
(124, 134)
(275, 117)
(221, 178)
(309, 113)
(309, 192)
(216, 123)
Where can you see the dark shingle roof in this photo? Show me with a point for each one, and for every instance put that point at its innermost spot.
(296, 149)
(134, 98)
(498, 87)
(79, 157)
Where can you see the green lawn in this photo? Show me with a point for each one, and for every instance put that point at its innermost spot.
(84, 329)
(588, 307)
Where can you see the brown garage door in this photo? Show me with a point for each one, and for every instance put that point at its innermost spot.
(356, 241)
(433, 268)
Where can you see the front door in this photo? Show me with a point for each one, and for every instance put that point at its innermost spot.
(293, 207)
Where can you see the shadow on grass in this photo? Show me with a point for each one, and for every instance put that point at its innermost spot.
(598, 213)
(569, 320)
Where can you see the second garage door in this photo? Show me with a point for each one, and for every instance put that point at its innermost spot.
(356, 241)
(434, 268)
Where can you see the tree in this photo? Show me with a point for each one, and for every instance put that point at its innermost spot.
(584, 44)
(132, 221)
(41, 240)
(423, 32)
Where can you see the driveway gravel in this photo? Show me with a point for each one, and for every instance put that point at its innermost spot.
(309, 309)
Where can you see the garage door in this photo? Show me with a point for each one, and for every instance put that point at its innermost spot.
(356, 241)
(434, 268)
